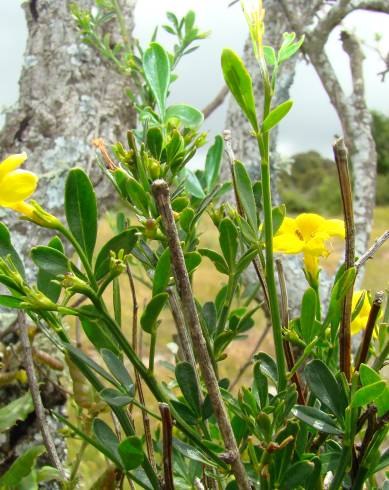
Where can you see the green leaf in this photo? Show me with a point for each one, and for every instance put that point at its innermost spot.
(81, 210)
(278, 215)
(137, 195)
(155, 141)
(98, 335)
(246, 259)
(117, 368)
(240, 83)
(289, 49)
(368, 375)
(81, 357)
(308, 314)
(193, 185)
(213, 163)
(6, 249)
(189, 116)
(261, 385)
(191, 452)
(21, 467)
(101, 447)
(367, 394)
(162, 273)
(383, 463)
(185, 412)
(228, 239)
(156, 66)
(192, 261)
(296, 475)
(268, 366)
(324, 386)
(115, 398)
(131, 452)
(316, 418)
(276, 115)
(270, 55)
(187, 381)
(45, 278)
(48, 473)
(245, 193)
(11, 302)
(217, 259)
(151, 313)
(50, 260)
(123, 241)
(16, 410)
(106, 437)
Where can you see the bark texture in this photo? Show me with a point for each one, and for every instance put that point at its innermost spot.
(317, 20)
(68, 96)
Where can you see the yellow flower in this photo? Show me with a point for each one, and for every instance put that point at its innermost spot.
(16, 185)
(360, 321)
(255, 15)
(309, 234)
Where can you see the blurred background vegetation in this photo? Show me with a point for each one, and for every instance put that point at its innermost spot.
(310, 183)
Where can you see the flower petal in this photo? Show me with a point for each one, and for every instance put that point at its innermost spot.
(288, 226)
(17, 186)
(287, 243)
(309, 224)
(317, 245)
(11, 163)
(334, 227)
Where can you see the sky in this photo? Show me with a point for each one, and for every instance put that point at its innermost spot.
(312, 123)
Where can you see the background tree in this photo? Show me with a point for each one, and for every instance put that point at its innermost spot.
(68, 96)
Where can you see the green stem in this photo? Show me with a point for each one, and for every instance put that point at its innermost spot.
(84, 260)
(343, 464)
(153, 343)
(263, 144)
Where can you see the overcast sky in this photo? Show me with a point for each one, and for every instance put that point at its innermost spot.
(312, 122)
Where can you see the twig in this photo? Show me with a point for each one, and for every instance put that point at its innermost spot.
(138, 382)
(161, 193)
(216, 102)
(36, 396)
(341, 159)
(371, 321)
(285, 322)
(181, 327)
(167, 446)
(372, 250)
(256, 263)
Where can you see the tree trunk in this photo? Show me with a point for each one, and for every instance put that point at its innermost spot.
(68, 96)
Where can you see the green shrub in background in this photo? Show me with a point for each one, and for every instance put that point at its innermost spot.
(311, 185)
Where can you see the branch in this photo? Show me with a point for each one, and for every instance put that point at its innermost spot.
(161, 193)
(138, 382)
(167, 445)
(216, 102)
(372, 5)
(352, 47)
(371, 321)
(36, 396)
(341, 159)
(372, 250)
(285, 323)
(314, 48)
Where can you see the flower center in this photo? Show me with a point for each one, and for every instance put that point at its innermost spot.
(299, 234)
